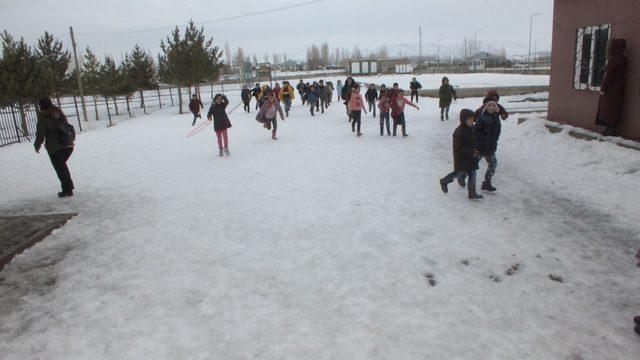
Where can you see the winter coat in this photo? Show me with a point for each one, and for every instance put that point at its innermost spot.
(371, 95)
(245, 95)
(47, 130)
(287, 90)
(487, 131)
(312, 96)
(464, 145)
(276, 90)
(355, 102)
(613, 85)
(195, 105)
(397, 105)
(265, 106)
(300, 87)
(219, 113)
(415, 85)
(345, 93)
(323, 92)
(446, 93)
(384, 105)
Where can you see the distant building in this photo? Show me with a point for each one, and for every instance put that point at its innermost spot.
(581, 32)
(292, 65)
(363, 67)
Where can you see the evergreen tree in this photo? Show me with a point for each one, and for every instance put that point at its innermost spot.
(142, 72)
(91, 77)
(22, 83)
(54, 63)
(109, 80)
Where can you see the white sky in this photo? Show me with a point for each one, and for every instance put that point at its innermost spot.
(344, 24)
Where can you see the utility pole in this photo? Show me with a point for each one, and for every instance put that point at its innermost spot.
(530, 30)
(465, 53)
(475, 48)
(420, 51)
(438, 64)
(78, 75)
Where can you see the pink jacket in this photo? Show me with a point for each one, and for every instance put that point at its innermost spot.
(356, 103)
(397, 105)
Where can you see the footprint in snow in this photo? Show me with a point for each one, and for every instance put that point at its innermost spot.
(512, 270)
(495, 278)
(430, 279)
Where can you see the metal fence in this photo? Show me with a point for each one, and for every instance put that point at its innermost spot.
(12, 127)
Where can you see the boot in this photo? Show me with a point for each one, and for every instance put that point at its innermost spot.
(636, 320)
(475, 196)
(461, 181)
(226, 151)
(273, 136)
(486, 186)
(68, 193)
(220, 153)
(443, 185)
(441, 117)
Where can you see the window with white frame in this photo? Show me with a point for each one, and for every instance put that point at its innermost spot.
(591, 56)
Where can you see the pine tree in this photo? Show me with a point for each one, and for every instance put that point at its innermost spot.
(54, 63)
(109, 80)
(142, 72)
(21, 77)
(91, 77)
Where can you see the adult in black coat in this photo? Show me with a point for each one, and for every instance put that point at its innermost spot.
(487, 131)
(613, 87)
(465, 155)
(48, 131)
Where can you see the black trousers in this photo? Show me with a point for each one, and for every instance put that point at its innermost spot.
(356, 115)
(414, 93)
(247, 107)
(59, 162)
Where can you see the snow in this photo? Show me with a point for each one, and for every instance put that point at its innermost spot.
(318, 245)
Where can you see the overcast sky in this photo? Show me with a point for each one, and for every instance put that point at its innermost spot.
(341, 23)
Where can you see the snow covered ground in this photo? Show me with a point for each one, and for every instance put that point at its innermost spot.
(321, 245)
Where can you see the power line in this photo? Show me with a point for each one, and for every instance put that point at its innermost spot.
(208, 21)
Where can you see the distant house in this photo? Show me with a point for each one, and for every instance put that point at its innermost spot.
(581, 31)
(404, 67)
(363, 67)
(292, 65)
(263, 72)
(398, 66)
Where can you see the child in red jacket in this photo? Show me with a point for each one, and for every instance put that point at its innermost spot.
(355, 107)
(397, 111)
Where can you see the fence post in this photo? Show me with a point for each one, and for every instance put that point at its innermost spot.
(106, 102)
(128, 108)
(159, 98)
(75, 103)
(171, 96)
(144, 106)
(15, 122)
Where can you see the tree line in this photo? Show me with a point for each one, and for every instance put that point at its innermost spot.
(28, 73)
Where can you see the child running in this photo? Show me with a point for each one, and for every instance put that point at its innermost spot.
(397, 111)
(217, 113)
(194, 106)
(286, 96)
(372, 95)
(246, 98)
(312, 97)
(446, 93)
(268, 114)
(383, 105)
(355, 107)
(465, 155)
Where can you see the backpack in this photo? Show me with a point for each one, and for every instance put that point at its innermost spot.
(66, 134)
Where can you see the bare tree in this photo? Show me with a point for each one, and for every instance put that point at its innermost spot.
(239, 57)
(324, 54)
(227, 52)
(356, 54)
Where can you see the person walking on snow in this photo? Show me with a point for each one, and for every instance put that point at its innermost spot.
(487, 131)
(256, 93)
(286, 96)
(246, 98)
(465, 155)
(195, 105)
(323, 94)
(384, 106)
(414, 86)
(339, 89)
(300, 88)
(330, 90)
(372, 95)
(312, 98)
(446, 93)
(218, 114)
(269, 112)
(277, 89)
(345, 94)
(493, 95)
(56, 133)
(397, 111)
(355, 108)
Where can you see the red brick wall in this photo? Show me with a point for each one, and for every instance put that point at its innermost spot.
(579, 107)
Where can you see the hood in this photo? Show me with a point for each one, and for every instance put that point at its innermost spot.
(465, 114)
(443, 79)
(492, 94)
(617, 47)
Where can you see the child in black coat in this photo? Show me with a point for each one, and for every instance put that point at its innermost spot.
(465, 155)
(217, 113)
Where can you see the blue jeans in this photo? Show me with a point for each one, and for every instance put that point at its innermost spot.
(492, 164)
(471, 184)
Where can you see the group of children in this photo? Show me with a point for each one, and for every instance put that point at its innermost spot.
(390, 102)
(476, 138)
(317, 95)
